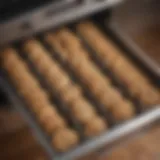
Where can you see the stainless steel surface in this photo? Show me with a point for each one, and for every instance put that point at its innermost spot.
(49, 16)
(131, 20)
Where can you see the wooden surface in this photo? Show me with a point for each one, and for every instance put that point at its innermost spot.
(146, 147)
(148, 40)
(18, 143)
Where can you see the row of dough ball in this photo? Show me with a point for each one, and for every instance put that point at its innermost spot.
(137, 83)
(70, 93)
(63, 138)
(71, 51)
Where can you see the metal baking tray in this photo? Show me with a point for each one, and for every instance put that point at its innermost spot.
(131, 21)
(117, 131)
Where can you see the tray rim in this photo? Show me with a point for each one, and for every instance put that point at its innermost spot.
(37, 20)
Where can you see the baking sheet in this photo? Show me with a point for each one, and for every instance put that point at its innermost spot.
(115, 134)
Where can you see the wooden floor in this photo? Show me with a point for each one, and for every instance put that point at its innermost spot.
(18, 143)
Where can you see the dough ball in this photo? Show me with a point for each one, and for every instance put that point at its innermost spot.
(95, 127)
(64, 139)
